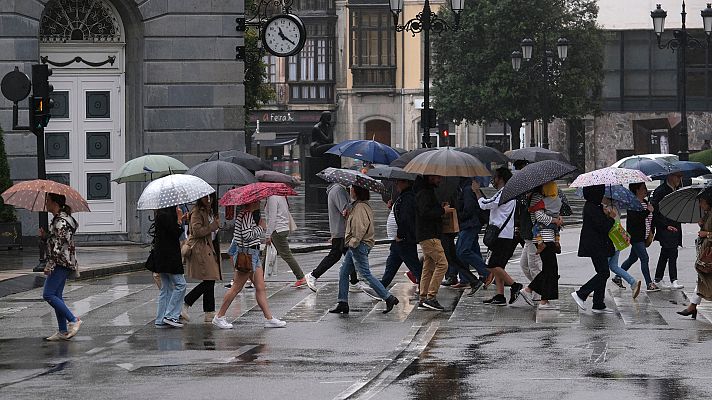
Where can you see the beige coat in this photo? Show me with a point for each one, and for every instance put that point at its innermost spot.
(359, 225)
(202, 263)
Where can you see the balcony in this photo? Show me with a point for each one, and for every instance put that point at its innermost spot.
(374, 77)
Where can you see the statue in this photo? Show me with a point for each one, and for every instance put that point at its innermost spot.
(322, 135)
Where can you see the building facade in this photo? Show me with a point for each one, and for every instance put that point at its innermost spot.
(130, 77)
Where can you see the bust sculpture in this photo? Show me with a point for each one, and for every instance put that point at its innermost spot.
(322, 135)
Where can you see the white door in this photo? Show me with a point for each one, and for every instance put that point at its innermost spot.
(84, 146)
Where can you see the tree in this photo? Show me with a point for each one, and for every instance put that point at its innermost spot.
(473, 78)
(7, 212)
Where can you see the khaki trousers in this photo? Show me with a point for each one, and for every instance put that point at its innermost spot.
(434, 268)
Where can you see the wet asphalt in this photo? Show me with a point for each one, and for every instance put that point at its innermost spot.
(472, 350)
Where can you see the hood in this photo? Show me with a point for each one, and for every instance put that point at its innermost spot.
(594, 193)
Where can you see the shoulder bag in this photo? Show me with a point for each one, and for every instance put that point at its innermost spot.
(492, 231)
(243, 259)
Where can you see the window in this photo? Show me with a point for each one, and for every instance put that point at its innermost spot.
(310, 73)
(319, 5)
(372, 47)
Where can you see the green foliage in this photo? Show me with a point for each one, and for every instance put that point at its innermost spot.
(704, 156)
(257, 90)
(473, 77)
(7, 212)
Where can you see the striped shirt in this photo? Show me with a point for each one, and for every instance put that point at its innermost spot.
(391, 225)
(246, 233)
(540, 217)
(648, 219)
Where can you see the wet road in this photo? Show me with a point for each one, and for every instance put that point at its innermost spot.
(471, 350)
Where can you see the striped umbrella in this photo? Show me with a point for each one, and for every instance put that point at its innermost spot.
(31, 195)
(609, 176)
(533, 176)
(349, 177)
(446, 162)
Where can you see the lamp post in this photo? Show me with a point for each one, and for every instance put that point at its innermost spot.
(425, 22)
(681, 41)
(542, 69)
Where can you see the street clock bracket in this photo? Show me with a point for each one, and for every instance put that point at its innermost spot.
(266, 14)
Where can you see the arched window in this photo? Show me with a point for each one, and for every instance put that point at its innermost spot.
(79, 20)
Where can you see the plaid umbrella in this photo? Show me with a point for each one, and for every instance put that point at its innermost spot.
(173, 190)
(31, 195)
(222, 173)
(683, 205)
(349, 177)
(274, 176)
(149, 167)
(255, 192)
(446, 162)
(485, 154)
(253, 163)
(366, 150)
(534, 154)
(609, 176)
(404, 159)
(533, 176)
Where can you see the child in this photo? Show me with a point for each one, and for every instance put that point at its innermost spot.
(551, 205)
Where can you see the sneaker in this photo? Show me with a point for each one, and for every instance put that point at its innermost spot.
(355, 287)
(209, 317)
(275, 323)
(527, 297)
(229, 285)
(499, 300)
(676, 285)
(371, 293)
(311, 281)
(184, 312)
(433, 304)
(547, 306)
(449, 281)
(73, 328)
(618, 281)
(57, 337)
(514, 291)
(421, 305)
(221, 323)
(161, 326)
(652, 287)
(488, 301)
(602, 311)
(249, 285)
(636, 288)
(579, 301)
(411, 276)
(475, 287)
(300, 283)
(172, 322)
(662, 284)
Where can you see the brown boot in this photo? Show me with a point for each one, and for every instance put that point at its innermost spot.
(540, 247)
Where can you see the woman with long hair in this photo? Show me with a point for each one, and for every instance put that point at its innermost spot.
(703, 289)
(168, 263)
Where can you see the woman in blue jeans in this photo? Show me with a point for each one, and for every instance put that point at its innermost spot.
(169, 265)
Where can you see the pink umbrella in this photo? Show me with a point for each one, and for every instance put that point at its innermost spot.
(255, 192)
(31, 195)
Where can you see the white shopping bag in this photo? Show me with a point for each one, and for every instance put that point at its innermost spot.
(270, 260)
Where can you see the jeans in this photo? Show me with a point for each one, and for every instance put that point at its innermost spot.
(638, 251)
(279, 240)
(546, 283)
(434, 268)
(357, 258)
(613, 266)
(205, 289)
(401, 252)
(668, 255)
(338, 249)
(52, 294)
(171, 297)
(597, 284)
(468, 251)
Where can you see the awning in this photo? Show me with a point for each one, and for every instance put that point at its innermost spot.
(274, 139)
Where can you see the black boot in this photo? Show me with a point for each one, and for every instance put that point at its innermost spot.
(341, 308)
(390, 302)
(687, 312)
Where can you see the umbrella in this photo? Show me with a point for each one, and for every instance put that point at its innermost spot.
(149, 167)
(534, 154)
(31, 195)
(173, 190)
(533, 176)
(278, 177)
(446, 162)
(390, 173)
(366, 150)
(683, 205)
(689, 169)
(404, 159)
(651, 167)
(609, 176)
(253, 163)
(255, 192)
(623, 198)
(349, 177)
(222, 173)
(485, 154)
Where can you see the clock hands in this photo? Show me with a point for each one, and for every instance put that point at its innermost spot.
(283, 36)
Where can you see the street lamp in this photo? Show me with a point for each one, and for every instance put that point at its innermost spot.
(681, 41)
(425, 22)
(541, 72)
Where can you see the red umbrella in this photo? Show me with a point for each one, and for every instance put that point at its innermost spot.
(255, 192)
(31, 195)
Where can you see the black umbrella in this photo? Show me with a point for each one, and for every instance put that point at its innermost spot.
(652, 168)
(683, 205)
(274, 176)
(222, 173)
(533, 176)
(403, 160)
(485, 154)
(534, 154)
(241, 158)
(390, 173)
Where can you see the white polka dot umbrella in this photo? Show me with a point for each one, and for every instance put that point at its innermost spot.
(173, 190)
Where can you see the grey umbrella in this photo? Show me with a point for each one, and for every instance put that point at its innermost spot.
(533, 176)
(404, 159)
(274, 176)
(222, 173)
(485, 154)
(534, 154)
(390, 173)
(241, 158)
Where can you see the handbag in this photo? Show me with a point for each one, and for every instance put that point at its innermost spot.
(492, 231)
(450, 223)
(243, 262)
(619, 236)
(270, 260)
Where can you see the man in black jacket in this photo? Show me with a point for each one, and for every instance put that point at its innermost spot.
(468, 244)
(404, 249)
(667, 232)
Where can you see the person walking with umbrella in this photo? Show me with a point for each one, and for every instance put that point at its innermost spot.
(169, 264)
(668, 233)
(279, 224)
(468, 244)
(703, 288)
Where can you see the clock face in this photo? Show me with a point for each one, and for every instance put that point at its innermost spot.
(283, 35)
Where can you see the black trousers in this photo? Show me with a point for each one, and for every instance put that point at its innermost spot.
(597, 284)
(205, 289)
(338, 249)
(546, 283)
(455, 266)
(668, 255)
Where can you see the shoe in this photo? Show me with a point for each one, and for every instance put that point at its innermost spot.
(652, 287)
(547, 306)
(460, 285)
(636, 289)
(421, 306)
(449, 281)
(411, 276)
(602, 311)
(209, 317)
(229, 285)
(475, 287)
(489, 279)
(540, 247)
(662, 284)
(684, 313)
(248, 284)
(618, 281)
(341, 308)
(390, 302)
(514, 292)
(371, 293)
(57, 337)
(184, 312)
(488, 301)
(579, 301)
(432, 304)
(355, 287)
(275, 323)
(527, 297)
(676, 285)
(221, 322)
(73, 328)
(161, 326)
(311, 281)
(499, 300)
(300, 283)
(172, 322)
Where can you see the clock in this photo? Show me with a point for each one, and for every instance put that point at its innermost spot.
(284, 35)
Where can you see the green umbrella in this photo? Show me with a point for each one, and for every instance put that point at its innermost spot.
(149, 167)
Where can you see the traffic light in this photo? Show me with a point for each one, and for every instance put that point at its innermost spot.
(446, 139)
(41, 102)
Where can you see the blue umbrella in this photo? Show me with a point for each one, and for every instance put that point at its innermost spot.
(691, 169)
(365, 150)
(652, 168)
(623, 198)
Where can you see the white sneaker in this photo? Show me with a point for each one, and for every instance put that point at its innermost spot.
(221, 323)
(578, 301)
(311, 281)
(73, 328)
(248, 284)
(184, 312)
(602, 311)
(57, 337)
(663, 285)
(355, 287)
(548, 306)
(676, 285)
(275, 323)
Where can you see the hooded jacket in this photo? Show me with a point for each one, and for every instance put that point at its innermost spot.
(594, 241)
(404, 211)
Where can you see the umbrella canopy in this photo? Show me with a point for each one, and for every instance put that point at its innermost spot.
(277, 177)
(31, 195)
(689, 169)
(222, 173)
(609, 176)
(241, 158)
(534, 154)
(446, 162)
(173, 190)
(349, 177)
(390, 173)
(404, 159)
(485, 154)
(683, 205)
(149, 167)
(533, 176)
(255, 192)
(622, 197)
(650, 167)
(365, 150)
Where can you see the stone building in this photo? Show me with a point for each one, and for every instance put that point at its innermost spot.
(130, 77)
